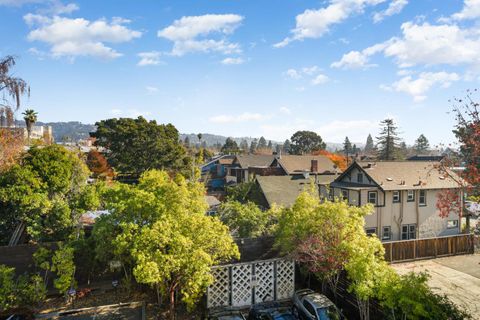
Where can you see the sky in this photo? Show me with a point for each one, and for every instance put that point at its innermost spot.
(249, 68)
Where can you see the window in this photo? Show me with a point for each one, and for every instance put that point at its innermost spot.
(371, 231)
(452, 224)
(409, 231)
(309, 308)
(422, 198)
(410, 195)
(360, 177)
(396, 196)
(344, 194)
(387, 233)
(372, 197)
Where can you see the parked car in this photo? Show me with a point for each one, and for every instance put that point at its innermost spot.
(270, 311)
(310, 305)
(226, 315)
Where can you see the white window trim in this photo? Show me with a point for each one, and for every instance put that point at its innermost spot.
(376, 197)
(389, 232)
(399, 196)
(424, 203)
(410, 193)
(455, 226)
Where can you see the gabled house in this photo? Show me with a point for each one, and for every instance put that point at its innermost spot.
(404, 195)
(301, 164)
(244, 166)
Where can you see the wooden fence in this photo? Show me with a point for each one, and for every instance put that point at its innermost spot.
(428, 248)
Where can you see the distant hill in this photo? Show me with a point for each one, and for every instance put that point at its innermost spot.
(75, 131)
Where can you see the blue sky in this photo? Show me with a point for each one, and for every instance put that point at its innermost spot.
(249, 68)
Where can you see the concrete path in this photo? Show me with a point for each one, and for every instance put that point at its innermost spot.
(458, 277)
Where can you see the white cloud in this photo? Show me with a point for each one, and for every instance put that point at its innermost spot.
(285, 110)
(320, 79)
(79, 37)
(470, 10)
(246, 116)
(418, 87)
(188, 34)
(310, 70)
(394, 7)
(233, 61)
(315, 23)
(150, 58)
(423, 44)
(151, 89)
(130, 113)
(292, 73)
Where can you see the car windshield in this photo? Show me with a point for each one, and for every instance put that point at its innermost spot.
(328, 313)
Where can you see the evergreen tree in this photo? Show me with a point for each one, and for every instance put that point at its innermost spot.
(186, 142)
(355, 149)
(388, 140)
(402, 150)
(278, 148)
(286, 147)
(421, 144)
(369, 147)
(230, 147)
(253, 146)
(347, 147)
(262, 143)
(244, 146)
(270, 145)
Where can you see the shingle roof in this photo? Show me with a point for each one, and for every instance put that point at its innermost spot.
(298, 164)
(404, 175)
(284, 190)
(254, 160)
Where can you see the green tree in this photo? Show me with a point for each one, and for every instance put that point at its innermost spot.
(270, 145)
(64, 267)
(153, 229)
(421, 144)
(369, 146)
(253, 146)
(286, 146)
(245, 220)
(12, 89)
(388, 140)
(230, 147)
(244, 146)
(137, 145)
(304, 142)
(30, 117)
(347, 147)
(186, 142)
(262, 143)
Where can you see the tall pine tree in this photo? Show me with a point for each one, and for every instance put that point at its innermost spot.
(369, 146)
(347, 147)
(421, 144)
(388, 140)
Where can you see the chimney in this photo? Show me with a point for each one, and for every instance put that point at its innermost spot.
(314, 166)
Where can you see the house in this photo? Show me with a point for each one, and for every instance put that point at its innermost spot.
(213, 204)
(244, 166)
(404, 195)
(420, 157)
(284, 190)
(300, 164)
(214, 172)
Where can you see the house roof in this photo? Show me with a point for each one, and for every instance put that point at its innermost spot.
(254, 160)
(293, 164)
(284, 190)
(408, 175)
(212, 201)
(421, 157)
(226, 161)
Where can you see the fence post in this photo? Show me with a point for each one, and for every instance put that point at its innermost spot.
(415, 249)
(435, 245)
(391, 252)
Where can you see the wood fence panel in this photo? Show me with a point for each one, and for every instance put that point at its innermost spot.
(397, 251)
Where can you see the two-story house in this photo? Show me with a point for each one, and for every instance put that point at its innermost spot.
(404, 195)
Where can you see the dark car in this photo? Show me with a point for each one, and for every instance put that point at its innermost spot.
(226, 315)
(310, 305)
(271, 311)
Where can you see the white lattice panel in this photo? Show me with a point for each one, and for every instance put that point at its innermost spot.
(265, 278)
(218, 294)
(241, 285)
(285, 279)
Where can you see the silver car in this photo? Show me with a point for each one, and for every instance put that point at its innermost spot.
(310, 305)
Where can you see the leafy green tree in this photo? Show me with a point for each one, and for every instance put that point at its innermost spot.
(304, 142)
(286, 146)
(369, 146)
(270, 145)
(64, 267)
(137, 145)
(230, 147)
(388, 140)
(245, 220)
(47, 193)
(153, 229)
(421, 144)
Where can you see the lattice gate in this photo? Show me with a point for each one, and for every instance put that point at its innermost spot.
(244, 284)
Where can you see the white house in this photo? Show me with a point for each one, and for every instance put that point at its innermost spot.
(404, 195)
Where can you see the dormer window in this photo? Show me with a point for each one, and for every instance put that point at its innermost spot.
(360, 177)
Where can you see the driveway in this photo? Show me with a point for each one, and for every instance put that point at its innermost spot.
(458, 277)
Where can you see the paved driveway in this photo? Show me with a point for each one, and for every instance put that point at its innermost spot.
(458, 277)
